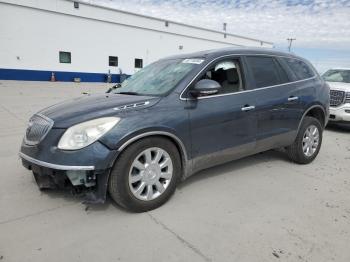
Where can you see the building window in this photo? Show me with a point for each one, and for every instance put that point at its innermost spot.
(76, 5)
(138, 63)
(113, 61)
(65, 57)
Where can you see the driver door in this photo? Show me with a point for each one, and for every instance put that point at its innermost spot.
(223, 125)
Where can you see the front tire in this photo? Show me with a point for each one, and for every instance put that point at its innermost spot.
(307, 143)
(145, 175)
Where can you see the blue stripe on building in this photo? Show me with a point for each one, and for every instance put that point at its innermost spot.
(39, 75)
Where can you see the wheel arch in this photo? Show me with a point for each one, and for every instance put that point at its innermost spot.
(170, 136)
(316, 111)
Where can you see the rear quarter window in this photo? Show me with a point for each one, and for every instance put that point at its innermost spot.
(300, 69)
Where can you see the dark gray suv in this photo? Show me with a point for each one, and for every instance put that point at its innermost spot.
(175, 117)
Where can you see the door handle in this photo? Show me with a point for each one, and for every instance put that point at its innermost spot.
(293, 98)
(247, 108)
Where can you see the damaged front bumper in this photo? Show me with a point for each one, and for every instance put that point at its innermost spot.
(84, 179)
(85, 170)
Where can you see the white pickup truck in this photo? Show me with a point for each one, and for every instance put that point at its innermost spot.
(339, 82)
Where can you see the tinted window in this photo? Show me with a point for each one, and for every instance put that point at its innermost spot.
(227, 74)
(300, 69)
(266, 71)
(282, 73)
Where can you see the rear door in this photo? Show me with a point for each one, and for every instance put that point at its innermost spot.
(276, 102)
(304, 82)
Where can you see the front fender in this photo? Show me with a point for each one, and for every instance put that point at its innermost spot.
(159, 131)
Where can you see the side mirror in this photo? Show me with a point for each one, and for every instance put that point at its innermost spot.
(205, 87)
(116, 86)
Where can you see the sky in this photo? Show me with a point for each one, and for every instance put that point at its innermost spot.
(321, 27)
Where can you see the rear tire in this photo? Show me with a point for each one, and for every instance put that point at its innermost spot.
(145, 175)
(307, 143)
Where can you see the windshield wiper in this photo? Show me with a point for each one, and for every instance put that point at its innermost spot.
(128, 93)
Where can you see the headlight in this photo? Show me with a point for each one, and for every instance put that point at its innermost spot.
(347, 97)
(84, 134)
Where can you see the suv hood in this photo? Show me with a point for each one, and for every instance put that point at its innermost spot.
(77, 110)
(339, 86)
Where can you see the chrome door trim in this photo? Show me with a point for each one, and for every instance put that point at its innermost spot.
(245, 91)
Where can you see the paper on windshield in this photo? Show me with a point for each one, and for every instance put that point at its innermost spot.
(193, 61)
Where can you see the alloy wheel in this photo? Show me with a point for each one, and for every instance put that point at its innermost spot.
(311, 140)
(150, 174)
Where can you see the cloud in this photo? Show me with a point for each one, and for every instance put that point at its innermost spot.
(314, 23)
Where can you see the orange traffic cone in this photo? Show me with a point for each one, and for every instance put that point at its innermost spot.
(53, 78)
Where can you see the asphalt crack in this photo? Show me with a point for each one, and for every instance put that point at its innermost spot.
(12, 114)
(34, 214)
(181, 239)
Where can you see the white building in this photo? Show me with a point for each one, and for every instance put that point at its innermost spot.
(76, 39)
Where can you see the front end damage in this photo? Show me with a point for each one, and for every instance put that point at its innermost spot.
(91, 184)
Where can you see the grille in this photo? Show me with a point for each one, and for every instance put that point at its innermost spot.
(37, 129)
(337, 97)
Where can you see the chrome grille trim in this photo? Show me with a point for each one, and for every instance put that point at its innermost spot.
(38, 127)
(336, 97)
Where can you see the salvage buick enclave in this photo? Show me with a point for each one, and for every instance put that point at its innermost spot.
(175, 117)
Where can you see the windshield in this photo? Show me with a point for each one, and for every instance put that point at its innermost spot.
(158, 78)
(336, 75)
